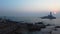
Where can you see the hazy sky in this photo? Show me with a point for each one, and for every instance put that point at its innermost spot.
(23, 7)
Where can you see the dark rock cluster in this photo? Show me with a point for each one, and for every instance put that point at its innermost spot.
(12, 27)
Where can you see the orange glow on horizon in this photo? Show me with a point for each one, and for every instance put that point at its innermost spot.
(55, 11)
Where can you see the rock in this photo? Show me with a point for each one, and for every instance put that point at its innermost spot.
(39, 23)
(57, 27)
(48, 25)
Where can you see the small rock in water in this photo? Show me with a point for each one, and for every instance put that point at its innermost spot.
(48, 25)
(57, 27)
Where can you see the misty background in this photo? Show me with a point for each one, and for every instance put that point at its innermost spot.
(28, 8)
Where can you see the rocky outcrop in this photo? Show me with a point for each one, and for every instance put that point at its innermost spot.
(13, 27)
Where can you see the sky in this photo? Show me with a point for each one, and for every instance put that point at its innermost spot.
(29, 7)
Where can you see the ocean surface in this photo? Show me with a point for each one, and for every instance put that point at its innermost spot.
(54, 22)
(36, 19)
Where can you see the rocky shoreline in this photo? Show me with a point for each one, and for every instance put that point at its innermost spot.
(8, 26)
(12, 27)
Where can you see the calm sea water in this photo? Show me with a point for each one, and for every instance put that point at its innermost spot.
(36, 19)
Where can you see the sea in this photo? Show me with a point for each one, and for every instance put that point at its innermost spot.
(36, 19)
(54, 22)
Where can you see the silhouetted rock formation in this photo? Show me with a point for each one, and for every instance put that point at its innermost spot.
(48, 17)
(36, 27)
(48, 25)
(57, 27)
(12, 27)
